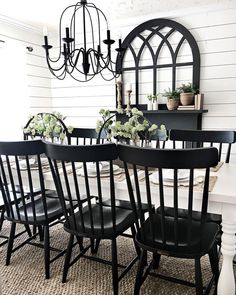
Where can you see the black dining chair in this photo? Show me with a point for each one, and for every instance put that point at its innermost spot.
(220, 139)
(85, 136)
(29, 131)
(5, 237)
(2, 209)
(171, 235)
(93, 221)
(20, 183)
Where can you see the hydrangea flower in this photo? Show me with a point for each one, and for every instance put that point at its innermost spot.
(48, 126)
(135, 128)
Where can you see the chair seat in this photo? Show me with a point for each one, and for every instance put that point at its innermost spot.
(199, 242)
(183, 213)
(124, 204)
(54, 211)
(18, 196)
(124, 219)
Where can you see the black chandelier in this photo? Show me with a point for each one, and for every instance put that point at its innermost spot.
(80, 55)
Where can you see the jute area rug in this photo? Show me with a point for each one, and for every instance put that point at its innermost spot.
(25, 274)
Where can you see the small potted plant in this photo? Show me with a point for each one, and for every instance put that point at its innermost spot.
(149, 105)
(187, 92)
(172, 99)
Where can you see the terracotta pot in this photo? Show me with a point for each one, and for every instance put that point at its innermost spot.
(186, 98)
(172, 104)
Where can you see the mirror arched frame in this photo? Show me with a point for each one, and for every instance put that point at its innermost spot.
(155, 27)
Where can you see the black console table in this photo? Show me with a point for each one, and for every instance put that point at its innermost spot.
(172, 119)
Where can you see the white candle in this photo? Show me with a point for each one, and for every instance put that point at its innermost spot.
(119, 35)
(129, 87)
(45, 31)
(119, 79)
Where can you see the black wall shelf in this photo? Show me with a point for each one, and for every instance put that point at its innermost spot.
(172, 119)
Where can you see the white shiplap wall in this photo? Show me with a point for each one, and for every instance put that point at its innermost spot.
(215, 33)
(38, 76)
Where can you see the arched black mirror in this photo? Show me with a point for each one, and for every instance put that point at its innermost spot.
(159, 54)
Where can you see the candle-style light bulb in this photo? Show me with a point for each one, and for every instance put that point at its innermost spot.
(45, 31)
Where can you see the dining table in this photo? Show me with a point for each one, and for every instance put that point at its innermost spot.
(222, 200)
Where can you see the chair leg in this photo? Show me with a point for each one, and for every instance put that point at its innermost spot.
(41, 235)
(94, 245)
(115, 281)
(135, 245)
(1, 219)
(97, 243)
(80, 242)
(46, 252)
(139, 275)
(214, 261)
(10, 242)
(198, 277)
(156, 260)
(27, 227)
(67, 258)
(34, 230)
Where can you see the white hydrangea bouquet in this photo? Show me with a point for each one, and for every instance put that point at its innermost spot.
(49, 126)
(136, 128)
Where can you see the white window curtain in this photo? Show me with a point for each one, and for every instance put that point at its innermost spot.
(14, 97)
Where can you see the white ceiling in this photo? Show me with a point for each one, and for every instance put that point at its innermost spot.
(47, 12)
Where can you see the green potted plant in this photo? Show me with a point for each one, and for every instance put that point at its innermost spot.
(172, 98)
(187, 92)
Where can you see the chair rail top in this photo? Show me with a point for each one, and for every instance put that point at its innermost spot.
(216, 136)
(21, 148)
(180, 158)
(81, 153)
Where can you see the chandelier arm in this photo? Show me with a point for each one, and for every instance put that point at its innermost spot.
(94, 6)
(107, 79)
(60, 31)
(58, 76)
(84, 29)
(52, 68)
(93, 62)
(96, 53)
(78, 80)
(92, 31)
(77, 7)
(110, 67)
(74, 64)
